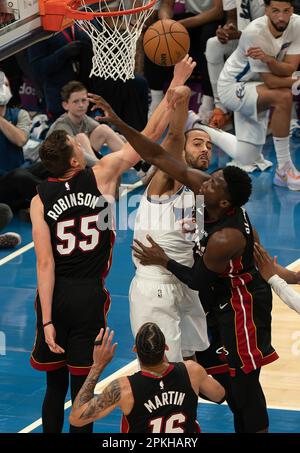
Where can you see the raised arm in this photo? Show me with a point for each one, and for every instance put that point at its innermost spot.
(154, 153)
(88, 407)
(173, 143)
(159, 120)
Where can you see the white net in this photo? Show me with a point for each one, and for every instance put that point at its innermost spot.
(114, 37)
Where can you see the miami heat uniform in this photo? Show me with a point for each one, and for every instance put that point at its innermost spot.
(242, 301)
(164, 404)
(82, 250)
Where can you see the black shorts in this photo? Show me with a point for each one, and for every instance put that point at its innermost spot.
(78, 312)
(213, 359)
(244, 322)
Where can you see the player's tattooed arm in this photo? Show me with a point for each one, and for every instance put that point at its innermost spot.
(108, 398)
(87, 407)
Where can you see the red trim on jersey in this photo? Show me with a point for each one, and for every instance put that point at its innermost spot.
(109, 261)
(245, 329)
(218, 369)
(168, 370)
(264, 361)
(79, 371)
(197, 427)
(124, 424)
(52, 179)
(234, 272)
(106, 305)
(46, 366)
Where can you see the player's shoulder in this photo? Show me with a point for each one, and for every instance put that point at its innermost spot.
(193, 367)
(295, 22)
(259, 24)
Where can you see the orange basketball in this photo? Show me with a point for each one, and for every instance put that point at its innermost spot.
(166, 42)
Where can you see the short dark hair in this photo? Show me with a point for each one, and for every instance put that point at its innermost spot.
(239, 185)
(56, 152)
(150, 344)
(268, 2)
(194, 128)
(71, 87)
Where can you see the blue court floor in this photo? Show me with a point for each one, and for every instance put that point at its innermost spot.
(275, 213)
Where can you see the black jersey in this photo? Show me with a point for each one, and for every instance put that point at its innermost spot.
(165, 404)
(242, 270)
(81, 235)
(242, 301)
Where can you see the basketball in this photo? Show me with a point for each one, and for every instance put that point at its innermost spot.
(166, 42)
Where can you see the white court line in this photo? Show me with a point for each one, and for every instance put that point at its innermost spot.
(127, 369)
(13, 255)
(128, 188)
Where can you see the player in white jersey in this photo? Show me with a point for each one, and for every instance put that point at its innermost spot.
(155, 294)
(239, 14)
(258, 76)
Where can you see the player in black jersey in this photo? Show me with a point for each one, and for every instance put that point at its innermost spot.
(225, 276)
(73, 243)
(161, 398)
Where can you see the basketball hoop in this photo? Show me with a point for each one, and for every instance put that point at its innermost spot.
(114, 27)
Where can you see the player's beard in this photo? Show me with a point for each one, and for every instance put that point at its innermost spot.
(279, 28)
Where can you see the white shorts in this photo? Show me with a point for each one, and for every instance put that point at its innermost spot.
(175, 308)
(241, 98)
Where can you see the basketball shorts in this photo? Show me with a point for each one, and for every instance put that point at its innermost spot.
(241, 98)
(214, 359)
(79, 311)
(175, 308)
(244, 321)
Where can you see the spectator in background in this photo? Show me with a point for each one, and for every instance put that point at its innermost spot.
(14, 130)
(201, 20)
(7, 240)
(6, 13)
(57, 61)
(89, 133)
(239, 14)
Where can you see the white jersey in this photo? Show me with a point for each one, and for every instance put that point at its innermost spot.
(247, 11)
(161, 218)
(240, 68)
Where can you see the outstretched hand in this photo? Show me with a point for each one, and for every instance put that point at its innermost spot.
(266, 264)
(104, 350)
(183, 69)
(99, 103)
(177, 95)
(153, 255)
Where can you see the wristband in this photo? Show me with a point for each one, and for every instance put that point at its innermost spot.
(47, 323)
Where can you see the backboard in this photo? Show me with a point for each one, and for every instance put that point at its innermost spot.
(25, 29)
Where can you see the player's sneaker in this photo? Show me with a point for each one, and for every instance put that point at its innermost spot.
(219, 119)
(9, 240)
(262, 163)
(248, 168)
(288, 177)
